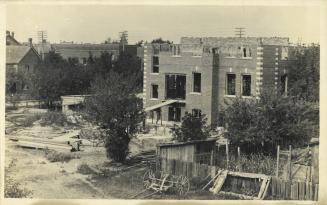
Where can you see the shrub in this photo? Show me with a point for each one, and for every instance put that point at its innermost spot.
(192, 128)
(258, 125)
(53, 117)
(13, 188)
(30, 119)
(55, 156)
(84, 169)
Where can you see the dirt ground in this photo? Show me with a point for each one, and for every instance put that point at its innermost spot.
(62, 179)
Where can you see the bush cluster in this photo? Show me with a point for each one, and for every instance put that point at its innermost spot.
(55, 156)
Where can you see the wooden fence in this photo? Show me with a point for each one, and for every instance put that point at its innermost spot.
(278, 189)
(293, 190)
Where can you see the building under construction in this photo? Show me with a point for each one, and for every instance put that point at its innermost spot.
(198, 74)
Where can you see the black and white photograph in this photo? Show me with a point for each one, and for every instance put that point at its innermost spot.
(161, 102)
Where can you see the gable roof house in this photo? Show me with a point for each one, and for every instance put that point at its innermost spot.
(20, 61)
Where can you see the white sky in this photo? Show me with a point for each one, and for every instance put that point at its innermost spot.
(95, 23)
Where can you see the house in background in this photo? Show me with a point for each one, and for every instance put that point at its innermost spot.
(20, 63)
(197, 75)
(10, 39)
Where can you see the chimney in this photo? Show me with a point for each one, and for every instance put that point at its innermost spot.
(8, 33)
(12, 34)
(30, 43)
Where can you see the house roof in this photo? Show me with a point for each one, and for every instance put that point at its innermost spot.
(14, 54)
(11, 40)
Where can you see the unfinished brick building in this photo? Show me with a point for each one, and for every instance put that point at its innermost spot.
(196, 75)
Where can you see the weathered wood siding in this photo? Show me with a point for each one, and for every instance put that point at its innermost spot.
(183, 153)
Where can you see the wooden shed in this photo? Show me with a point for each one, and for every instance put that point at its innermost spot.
(199, 151)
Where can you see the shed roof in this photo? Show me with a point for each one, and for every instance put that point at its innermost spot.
(14, 54)
(187, 143)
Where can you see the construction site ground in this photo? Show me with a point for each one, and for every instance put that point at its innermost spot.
(63, 180)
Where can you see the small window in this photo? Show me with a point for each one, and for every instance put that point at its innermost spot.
(246, 85)
(231, 84)
(197, 82)
(174, 114)
(244, 52)
(27, 67)
(196, 112)
(155, 93)
(284, 54)
(155, 62)
(176, 50)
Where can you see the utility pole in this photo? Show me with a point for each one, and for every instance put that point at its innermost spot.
(42, 36)
(123, 38)
(240, 32)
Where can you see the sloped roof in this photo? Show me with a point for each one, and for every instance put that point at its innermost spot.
(14, 54)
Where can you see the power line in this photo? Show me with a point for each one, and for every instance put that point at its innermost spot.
(240, 32)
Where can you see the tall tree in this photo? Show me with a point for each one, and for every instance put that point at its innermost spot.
(115, 107)
(304, 69)
(261, 124)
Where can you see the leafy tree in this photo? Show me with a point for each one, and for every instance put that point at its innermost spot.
(261, 124)
(160, 40)
(55, 76)
(115, 107)
(130, 66)
(304, 72)
(192, 128)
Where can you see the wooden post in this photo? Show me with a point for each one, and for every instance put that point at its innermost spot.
(277, 166)
(239, 158)
(227, 155)
(290, 162)
(211, 156)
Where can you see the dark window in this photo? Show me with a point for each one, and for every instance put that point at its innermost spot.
(231, 84)
(246, 85)
(84, 61)
(174, 114)
(155, 91)
(175, 86)
(284, 80)
(27, 67)
(244, 52)
(196, 112)
(155, 62)
(197, 82)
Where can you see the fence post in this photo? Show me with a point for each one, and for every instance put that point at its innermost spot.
(239, 158)
(277, 166)
(211, 156)
(290, 162)
(227, 155)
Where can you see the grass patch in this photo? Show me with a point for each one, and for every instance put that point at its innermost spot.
(48, 118)
(14, 189)
(84, 169)
(30, 119)
(55, 156)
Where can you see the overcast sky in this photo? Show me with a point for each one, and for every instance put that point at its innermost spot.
(95, 23)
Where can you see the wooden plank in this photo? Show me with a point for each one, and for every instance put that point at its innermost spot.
(262, 188)
(273, 186)
(43, 146)
(219, 182)
(248, 175)
(301, 190)
(277, 166)
(266, 189)
(295, 191)
(316, 194)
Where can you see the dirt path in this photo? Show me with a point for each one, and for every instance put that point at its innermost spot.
(49, 180)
